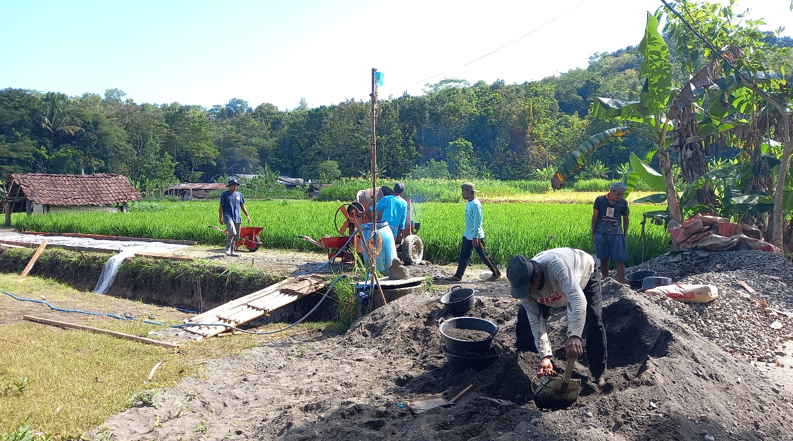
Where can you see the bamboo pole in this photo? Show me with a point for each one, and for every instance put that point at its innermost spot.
(100, 331)
(33, 259)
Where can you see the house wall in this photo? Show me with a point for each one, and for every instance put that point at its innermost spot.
(80, 208)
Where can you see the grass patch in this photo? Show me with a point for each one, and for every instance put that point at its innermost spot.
(77, 379)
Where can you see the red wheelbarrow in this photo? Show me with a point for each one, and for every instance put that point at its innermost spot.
(249, 237)
(333, 245)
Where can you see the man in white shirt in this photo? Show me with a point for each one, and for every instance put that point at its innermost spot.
(562, 277)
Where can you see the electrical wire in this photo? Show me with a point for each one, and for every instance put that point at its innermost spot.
(506, 45)
(77, 311)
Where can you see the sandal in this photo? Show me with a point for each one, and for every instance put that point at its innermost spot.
(494, 277)
(453, 279)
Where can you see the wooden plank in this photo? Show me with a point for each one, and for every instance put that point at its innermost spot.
(164, 256)
(746, 286)
(10, 246)
(100, 331)
(33, 259)
(252, 296)
(103, 237)
(258, 304)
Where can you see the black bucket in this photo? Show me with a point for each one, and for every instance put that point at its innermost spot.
(459, 300)
(463, 347)
(472, 360)
(635, 279)
(655, 281)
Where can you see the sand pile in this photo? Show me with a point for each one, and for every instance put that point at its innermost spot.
(666, 382)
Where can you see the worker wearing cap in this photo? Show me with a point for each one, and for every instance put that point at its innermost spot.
(610, 220)
(394, 210)
(365, 201)
(231, 202)
(564, 278)
(473, 237)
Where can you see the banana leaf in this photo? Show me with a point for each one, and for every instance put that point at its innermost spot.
(655, 68)
(656, 198)
(610, 108)
(643, 171)
(580, 156)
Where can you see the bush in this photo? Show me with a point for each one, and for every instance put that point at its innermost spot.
(592, 185)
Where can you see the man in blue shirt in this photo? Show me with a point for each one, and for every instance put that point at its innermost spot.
(231, 202)
(474, 236)
(394, 209)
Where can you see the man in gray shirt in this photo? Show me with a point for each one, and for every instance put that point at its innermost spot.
(562, 277)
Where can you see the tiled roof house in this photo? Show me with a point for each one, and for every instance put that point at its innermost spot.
(37, 193)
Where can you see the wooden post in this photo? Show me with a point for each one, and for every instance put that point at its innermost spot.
(101, 331)
(7, 207)
(28, 207)
(34, 258)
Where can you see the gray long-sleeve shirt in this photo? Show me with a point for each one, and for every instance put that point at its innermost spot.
(567, 272)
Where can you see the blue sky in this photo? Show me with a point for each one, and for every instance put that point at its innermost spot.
(208, 52)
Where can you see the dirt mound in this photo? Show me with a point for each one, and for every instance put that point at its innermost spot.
(665, 382)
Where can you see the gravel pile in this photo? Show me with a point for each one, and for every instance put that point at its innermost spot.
(751, 325)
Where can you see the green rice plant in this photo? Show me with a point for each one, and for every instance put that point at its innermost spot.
(510, 228)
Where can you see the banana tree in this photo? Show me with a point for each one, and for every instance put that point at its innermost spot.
(649, 113)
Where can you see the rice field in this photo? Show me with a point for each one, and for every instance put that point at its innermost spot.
(510, 228)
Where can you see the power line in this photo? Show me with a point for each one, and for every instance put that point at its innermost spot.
(508, 44)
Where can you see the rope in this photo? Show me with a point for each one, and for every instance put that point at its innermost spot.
(77, 311)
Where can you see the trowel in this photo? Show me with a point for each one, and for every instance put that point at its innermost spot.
(557, 393)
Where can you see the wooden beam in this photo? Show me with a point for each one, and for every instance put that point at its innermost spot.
(164, 256)
(33, 259)
(103, 236)
(101, 331)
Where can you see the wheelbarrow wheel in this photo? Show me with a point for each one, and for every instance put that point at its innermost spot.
(412, 250)
(253, 245)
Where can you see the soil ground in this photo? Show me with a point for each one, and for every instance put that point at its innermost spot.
(665, 380)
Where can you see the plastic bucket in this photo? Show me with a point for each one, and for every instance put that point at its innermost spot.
(635, 279)
(464, 347)
(389, 252)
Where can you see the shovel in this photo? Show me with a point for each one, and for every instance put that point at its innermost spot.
(424, 404)
(557, 393)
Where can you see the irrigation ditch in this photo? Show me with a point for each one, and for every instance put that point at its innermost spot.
(197, 285)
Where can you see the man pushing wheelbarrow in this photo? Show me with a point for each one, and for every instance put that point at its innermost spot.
(231, 202)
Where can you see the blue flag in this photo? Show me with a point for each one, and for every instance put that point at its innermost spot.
(378, 77)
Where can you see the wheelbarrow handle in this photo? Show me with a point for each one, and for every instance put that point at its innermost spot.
(568, 374)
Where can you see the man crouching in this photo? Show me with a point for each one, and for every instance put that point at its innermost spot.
(562, 277)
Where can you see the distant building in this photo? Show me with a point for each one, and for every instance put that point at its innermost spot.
(199, 190)
(290, 182)
(38, 193)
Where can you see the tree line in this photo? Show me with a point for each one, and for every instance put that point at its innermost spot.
(457, 130)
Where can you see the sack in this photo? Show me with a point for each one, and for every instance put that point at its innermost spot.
(709, 220)
(687, 293)
(728, 229)
(717, 243)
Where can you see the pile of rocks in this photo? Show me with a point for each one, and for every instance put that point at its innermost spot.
(753, 325)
